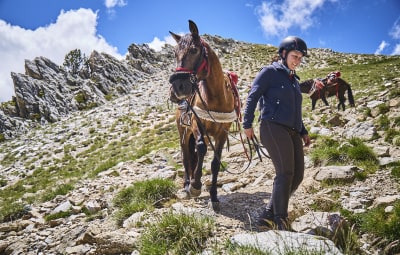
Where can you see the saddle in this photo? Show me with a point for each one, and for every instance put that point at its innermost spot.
(317, 86)
(186, 113)
(233, 78)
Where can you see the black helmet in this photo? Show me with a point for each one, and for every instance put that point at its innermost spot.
(292, 43)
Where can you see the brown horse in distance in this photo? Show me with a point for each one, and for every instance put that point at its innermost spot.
(330, 86)
(210, 105)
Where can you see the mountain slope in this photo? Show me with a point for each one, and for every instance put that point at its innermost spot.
(123, 130)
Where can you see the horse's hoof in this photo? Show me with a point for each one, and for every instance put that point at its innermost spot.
(183, 194)
(215, 206)
(194, 192)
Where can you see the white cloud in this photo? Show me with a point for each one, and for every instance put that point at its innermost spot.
(110, 4)
(74, 29)
(395, 34)
(381, 47)
(157, 44)
(396, 50)
(277, 19)
(395, 31)
(113, 3)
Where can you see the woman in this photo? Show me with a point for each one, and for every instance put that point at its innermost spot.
(282, 131)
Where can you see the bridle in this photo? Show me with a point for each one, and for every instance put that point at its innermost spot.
(201, 64)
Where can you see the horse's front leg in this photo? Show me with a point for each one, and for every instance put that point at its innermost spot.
(189, 159)
(324, 100)
(342, 104)
(195, 182)
(342, 100)
(215, 167)
(314, 101)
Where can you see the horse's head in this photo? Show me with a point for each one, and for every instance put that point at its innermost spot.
(332, 77)
(191, 62)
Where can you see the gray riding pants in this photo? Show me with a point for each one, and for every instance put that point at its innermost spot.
(285, 147)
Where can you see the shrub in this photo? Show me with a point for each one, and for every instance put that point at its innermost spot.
(74, 61)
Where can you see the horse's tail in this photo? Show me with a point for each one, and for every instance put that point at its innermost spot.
(350, 96)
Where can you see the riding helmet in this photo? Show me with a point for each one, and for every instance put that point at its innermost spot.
(292, 43)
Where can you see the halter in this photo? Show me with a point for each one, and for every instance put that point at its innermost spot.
(202, 64)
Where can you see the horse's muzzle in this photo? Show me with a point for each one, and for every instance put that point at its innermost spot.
(183, 84)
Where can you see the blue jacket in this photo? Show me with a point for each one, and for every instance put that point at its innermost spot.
(281, 98)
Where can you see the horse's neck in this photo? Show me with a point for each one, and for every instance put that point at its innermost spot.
(215, 79)
(306, 85)
(213, 89)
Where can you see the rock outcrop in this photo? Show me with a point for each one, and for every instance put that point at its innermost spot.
(47, 92)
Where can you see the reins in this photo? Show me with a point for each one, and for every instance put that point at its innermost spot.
(257, 148)
(253, 142)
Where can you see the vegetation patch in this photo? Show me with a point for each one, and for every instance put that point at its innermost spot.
(330, 151)
(143, 195)
(384, 225)
(58, 215)
(100, 155)
(179, 234)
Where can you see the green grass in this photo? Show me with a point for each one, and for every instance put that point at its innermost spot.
(100, 155)
(141, 196)
(395, 170)
(57, 215)
(177, 234)
(330, 151)
(381, 224)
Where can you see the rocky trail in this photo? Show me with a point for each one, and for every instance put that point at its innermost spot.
(242, 194)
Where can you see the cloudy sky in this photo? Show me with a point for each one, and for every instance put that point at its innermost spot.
(52, 28)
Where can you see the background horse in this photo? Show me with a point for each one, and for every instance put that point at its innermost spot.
(209, 108)
(331, 87)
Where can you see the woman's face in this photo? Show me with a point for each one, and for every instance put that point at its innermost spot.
(293, 59)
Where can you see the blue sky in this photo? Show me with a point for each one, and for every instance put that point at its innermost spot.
(51, 28)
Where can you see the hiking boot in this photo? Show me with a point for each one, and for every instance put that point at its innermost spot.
(266, 218)
(282, 223)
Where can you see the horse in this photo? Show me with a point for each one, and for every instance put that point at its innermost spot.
(208, 106)
(331, 85)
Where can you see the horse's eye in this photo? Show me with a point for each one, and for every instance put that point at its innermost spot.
(193, 51)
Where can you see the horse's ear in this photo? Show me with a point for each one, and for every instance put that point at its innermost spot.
(193, 29)
(175, 36)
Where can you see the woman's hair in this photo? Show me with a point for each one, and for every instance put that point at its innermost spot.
(275, 58)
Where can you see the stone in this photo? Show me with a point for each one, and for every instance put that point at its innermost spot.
(281, 242)
(343, 173)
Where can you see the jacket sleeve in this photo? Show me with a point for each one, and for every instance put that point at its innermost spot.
(257, 89)
(303, 129)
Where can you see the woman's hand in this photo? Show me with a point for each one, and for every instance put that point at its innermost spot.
(249, 132)
(306, 140)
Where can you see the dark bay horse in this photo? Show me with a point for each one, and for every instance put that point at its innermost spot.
(327, 87)
(210, 105)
